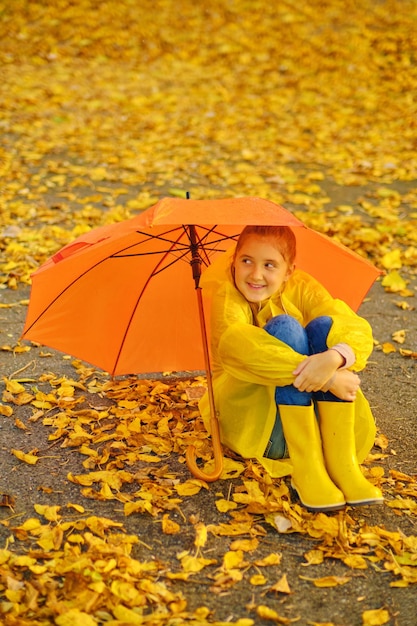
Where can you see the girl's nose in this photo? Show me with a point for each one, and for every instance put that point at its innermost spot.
(256, 272)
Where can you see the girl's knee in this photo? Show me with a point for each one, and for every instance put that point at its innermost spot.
(321, 323)
(281, 323)
(317, 331)
(289, 331)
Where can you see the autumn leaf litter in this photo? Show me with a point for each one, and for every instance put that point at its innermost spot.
(101, 522)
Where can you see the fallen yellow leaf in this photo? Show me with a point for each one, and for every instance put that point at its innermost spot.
(328, 581)
(169, 527)
(200, 535)
(29, 458)
(393, 282)
(281, 586)
(223, 506)
(50, 513)
(75, 617)
(376, 617)
(190, 487)
(387, 348)
(265, 612)
(258, 579)
(392, 259)
(13, 386)
(313, 557)
(355, 561)
(399, 336)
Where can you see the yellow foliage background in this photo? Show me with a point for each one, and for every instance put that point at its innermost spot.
(105, 107)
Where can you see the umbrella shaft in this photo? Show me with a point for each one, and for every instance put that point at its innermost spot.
(206, 353)
(214, 422)
(195, 256)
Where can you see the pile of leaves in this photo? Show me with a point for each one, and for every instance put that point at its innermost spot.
(78, 568)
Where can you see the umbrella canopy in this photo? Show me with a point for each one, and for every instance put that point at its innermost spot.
(121, 296)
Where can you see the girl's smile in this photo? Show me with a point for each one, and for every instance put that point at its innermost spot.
(260, 269)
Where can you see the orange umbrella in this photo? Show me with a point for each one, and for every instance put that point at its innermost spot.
(121, 296)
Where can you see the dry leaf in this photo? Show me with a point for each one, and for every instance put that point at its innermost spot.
(393, 282)
(399, 336)
(71, 162)
(313, 557)
(387, 348)
(258, 580)
(377, 617)
(328, 581)
(281, 586)
(264, 612)
(29, 458)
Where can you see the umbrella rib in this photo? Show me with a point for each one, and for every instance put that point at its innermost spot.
(201, 240)
(213, 244)
(182, 249)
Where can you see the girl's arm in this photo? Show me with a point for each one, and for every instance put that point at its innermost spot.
(252, 355)
(321, 372)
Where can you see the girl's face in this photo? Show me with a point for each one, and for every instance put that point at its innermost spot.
(260, 269)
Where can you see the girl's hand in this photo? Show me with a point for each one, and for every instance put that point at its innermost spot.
(317, 370)
(345, 385)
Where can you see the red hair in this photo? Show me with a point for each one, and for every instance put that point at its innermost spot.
(282, 236)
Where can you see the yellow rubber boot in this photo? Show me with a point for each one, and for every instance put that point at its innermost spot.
(337, 426)
(310, 478)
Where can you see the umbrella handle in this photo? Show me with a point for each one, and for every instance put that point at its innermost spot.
(190, 456)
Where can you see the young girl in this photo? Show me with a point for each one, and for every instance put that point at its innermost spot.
(284, 357)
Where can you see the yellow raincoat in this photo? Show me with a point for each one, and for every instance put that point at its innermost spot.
(248, 363)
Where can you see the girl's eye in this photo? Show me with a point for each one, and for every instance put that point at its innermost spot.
(270, 266)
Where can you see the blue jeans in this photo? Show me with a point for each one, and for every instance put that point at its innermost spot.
(309, 340)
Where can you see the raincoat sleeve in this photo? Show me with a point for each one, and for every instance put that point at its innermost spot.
(243, 350)
(314, 300)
